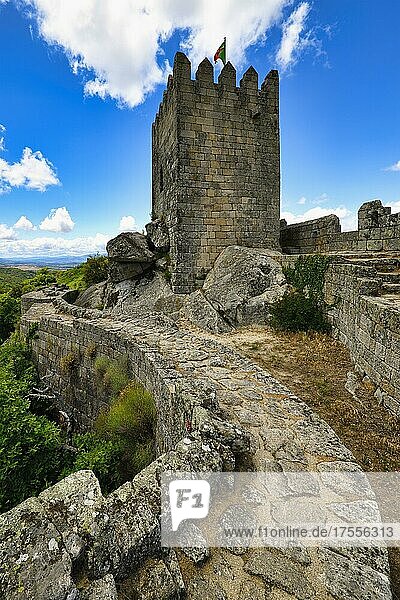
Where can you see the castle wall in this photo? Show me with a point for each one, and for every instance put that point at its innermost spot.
(378, 230)
(368, 325)
(216, 166)
(192, 376)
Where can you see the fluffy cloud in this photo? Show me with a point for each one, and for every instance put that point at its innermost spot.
(292, 42)
(118, 46)
(25, 224)
(46, 246)
(6, 233)
(33, 172)
(59, 221)
(2, 130)
(395, 167)
(127, 223)
(302, 200)
(347, 218)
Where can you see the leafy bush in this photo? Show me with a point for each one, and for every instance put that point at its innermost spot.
(30, 445)
(304, 308)
(95, 269)
(9, 315)
(297, 312)
(308, 275)
(112, 374)
(101, 456)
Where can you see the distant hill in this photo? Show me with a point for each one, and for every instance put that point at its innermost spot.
(55, 262)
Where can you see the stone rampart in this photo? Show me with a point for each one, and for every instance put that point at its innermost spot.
(72, 542)
(378, 230)
(369, 325)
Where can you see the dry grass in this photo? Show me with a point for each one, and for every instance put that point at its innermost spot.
(315, 367)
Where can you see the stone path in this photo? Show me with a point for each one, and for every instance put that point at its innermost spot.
(285, 435)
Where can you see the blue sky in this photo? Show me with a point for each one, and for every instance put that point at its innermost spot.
(81, 82)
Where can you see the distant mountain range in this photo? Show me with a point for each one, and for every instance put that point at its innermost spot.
(55, 262)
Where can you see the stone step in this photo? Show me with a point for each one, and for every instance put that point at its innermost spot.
(390, 277)
(391, 288)
(384, 265)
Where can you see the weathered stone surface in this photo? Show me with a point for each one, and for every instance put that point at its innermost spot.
(155, 582)
(93, 297)
(102, 589)
(201, 313)
(243, 283)
(70, 504)
(158, 236)
(348, 580)
(201, 589)
(280, 571)
(130, 256)
(208, 203)
(34, 561)
(136, 297)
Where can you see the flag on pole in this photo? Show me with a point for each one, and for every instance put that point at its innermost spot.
(221, 52)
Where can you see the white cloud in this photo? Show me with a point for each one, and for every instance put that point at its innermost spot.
(46, 246)
(59, 221)
(347, 218)
(302, 200)
(33, 172)
(6, 233)
(395, 167)
(25, 224)
(127, 223)
(292, 42)
(118, 45)
(2, 130)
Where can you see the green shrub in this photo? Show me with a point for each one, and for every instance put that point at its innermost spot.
(297, 312)
(95, 269)
(30, 445)
(308, 275)
(9, 314)
(304, 307)
(113, 374)
(69, 362)
(101, 456)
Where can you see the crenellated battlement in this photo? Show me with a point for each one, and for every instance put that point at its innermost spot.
(216, 165)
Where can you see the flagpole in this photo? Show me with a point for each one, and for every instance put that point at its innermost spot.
(226, 54)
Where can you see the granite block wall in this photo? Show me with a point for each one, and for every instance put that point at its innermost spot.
(369, 325)
(378, 230)
(216, 166)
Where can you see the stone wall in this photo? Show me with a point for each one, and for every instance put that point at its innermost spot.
(378, 230)
(216, 166)
(369, 325)
(72, 543)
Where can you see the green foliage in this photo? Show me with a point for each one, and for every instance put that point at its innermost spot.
(11, 277)
(95, 269)
(308, 275)
(30, 445)
(304, 308)
(72, 278)
(297, 312)
(9, 315)
(101, 455)
(113, 375)
(129, 423)
(69, 362)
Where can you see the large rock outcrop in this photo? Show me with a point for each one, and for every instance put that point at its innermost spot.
(238, 290)
(129, 255)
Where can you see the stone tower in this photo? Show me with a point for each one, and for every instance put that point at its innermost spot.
(215, 166)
